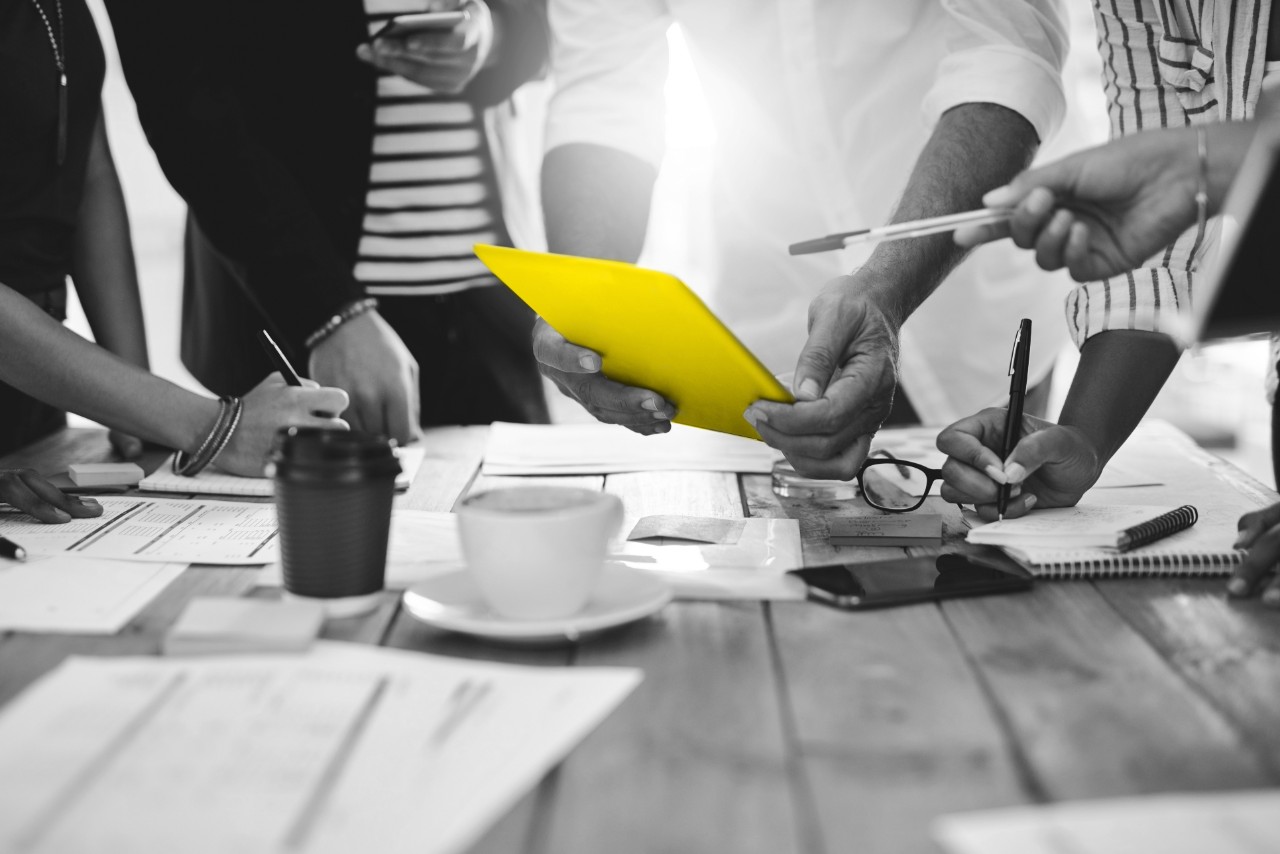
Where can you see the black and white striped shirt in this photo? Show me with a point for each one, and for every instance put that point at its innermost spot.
(432, 188)
(1169, 63)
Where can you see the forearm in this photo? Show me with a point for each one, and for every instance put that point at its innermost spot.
(102, 264)
(596, 201)
(973, 148)
(1119, 375)
(45, 360)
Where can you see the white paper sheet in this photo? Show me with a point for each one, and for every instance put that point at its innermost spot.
(754, 567)
(213, 482)
(422, 543)
(345, 749)
(156, 529)
(58, 593)
(549, 449)
(1232, 823)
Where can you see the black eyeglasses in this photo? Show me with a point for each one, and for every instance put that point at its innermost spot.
(893, 485)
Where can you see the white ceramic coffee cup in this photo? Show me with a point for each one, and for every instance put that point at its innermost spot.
(536, 551)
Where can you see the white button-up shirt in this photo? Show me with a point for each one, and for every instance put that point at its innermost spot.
(821, 108)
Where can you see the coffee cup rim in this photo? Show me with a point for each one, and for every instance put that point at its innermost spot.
(594, 497)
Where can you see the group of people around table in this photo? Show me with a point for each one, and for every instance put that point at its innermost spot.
(336, 181)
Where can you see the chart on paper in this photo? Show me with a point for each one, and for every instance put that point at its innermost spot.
(171, 531)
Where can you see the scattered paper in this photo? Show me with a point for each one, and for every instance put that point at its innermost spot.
(754, 567)
(1231, 823)
(156, 529)
(422, 544)
(696, 529)
(214, 625)
(550, 449)
(59, 593)
(347, 748)
(213, 482)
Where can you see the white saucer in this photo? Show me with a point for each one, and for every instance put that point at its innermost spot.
(452, 601)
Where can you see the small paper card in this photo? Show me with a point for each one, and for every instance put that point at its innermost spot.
(691, 529)
(217, 625)
(900, 529)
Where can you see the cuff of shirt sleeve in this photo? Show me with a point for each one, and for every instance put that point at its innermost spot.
(1010, 77)
(1145, 300)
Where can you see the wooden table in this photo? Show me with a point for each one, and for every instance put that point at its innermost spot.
(792, 727)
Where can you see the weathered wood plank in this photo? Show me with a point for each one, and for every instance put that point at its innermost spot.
(695, 760)
(1094, 709)
(1227, 650)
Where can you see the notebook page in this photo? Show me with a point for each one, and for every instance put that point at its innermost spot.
(1086, 524)
(212, 482)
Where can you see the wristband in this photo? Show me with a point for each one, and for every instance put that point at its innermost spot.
(350, 311)
(229, 409)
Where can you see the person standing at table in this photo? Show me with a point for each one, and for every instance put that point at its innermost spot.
(829, 115)
(62, 213)
(335, 190)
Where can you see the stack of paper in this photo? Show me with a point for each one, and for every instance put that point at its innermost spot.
(1234, 823)
(344, 749)
(58, 593)
(542, 449)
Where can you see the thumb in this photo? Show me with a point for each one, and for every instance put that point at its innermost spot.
(1032, 453)
(1057, 177)
(818, 359)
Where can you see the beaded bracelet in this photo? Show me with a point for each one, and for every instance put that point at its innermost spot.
(1202, 179)
(228, 416)
(350, 311)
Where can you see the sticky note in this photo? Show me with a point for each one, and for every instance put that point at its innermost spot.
(104, 474)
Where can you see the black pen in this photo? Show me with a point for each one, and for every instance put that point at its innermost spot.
(11, 550)
(278, 358)
(1017, 395)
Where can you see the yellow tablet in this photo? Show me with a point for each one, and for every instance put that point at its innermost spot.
(650, 330)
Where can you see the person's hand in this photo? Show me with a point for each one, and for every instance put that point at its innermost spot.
(29, 492)
(844, 384)
(367, 359)
(576, 372)
(1260, 534)
(1103, 211)
(442, 60)
(128, 447)
(274, 404)
(1052, 466)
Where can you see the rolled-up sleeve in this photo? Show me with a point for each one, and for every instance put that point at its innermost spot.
(609, 63)
(1006, 52)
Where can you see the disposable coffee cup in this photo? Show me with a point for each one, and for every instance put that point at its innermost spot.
(536, 552)
(333, 502)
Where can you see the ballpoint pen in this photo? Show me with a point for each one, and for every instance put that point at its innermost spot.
(902, 230)
(1017, 395)
(278, 358)
(10, 549)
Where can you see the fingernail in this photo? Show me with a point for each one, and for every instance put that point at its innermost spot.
(1039, 201)
(1237, 587)
(1000, 197)
(90, 502)
(662, 416)
(1015, 472)
(61, 515)
(1271, 597)
(1241, 540)
(590, 363)
(650, 404)
(664, 427)
(996, 474)
(751, 417)
(1031, 501)
(363, 51)
(809, 390)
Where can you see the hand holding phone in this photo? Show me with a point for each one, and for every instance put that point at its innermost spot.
(441, 50)
(859, 586)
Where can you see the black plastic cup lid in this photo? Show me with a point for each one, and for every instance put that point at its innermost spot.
(316, 449)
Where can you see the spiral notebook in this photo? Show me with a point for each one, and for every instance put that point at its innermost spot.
(211, 482)
(1100, 540)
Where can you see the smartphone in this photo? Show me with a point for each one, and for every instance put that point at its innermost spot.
(857, 586)
(405, 25)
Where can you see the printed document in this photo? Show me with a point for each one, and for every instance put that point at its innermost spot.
(60, 593)
(347, 748)
(156, 529)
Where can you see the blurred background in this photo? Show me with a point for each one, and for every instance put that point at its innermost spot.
(1216, 394)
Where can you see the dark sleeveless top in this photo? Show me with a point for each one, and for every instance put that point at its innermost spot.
(40, 200)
